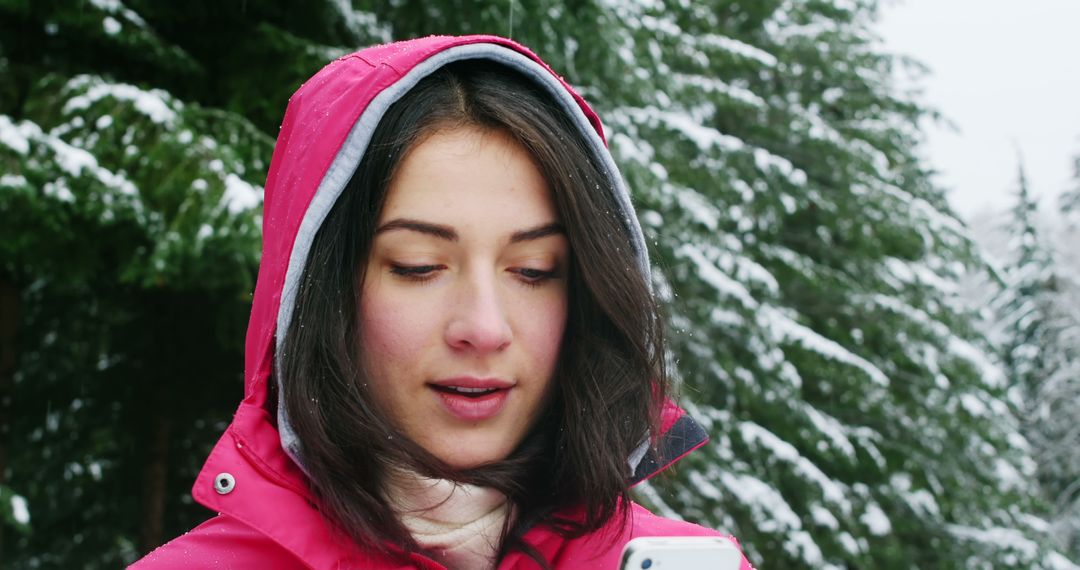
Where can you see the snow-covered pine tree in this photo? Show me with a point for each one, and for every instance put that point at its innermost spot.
(1026, 303)
(1033, 294)
(1070, 199)
(130, 235)
(811, 269)
(1039, 331)
(1057, 405)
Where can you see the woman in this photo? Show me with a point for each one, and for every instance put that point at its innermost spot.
(454, 359)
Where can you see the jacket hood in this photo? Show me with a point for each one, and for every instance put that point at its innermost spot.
(343, 103)
(325, 132)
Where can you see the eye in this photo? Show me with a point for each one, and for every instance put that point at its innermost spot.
(416, 272)
(535, 277)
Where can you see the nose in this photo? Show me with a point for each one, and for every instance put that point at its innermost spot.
(479, 321)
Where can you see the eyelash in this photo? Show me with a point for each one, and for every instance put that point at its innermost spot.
(416, 272)
(536, 277)
(530, 277)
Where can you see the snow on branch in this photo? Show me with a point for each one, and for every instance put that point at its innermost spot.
(155, 103)
(784, 328)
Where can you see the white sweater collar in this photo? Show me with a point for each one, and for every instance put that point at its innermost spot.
(460, 525)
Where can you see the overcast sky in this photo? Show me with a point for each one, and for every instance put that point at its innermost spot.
(1007, 73)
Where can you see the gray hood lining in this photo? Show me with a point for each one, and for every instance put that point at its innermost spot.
(352, 151)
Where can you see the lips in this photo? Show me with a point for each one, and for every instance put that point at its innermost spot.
(472, 399)
(463, 391)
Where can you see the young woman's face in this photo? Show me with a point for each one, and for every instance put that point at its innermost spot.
(464, 300)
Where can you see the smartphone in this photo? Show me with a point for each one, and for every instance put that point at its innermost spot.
(681, 553)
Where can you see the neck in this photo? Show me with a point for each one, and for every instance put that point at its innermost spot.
(460, 525)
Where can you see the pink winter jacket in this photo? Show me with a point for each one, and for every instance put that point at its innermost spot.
(267, 519)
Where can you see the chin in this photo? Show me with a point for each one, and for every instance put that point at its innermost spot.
(467, 453)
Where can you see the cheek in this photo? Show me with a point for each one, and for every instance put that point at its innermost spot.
(544, 330)
(389, 331)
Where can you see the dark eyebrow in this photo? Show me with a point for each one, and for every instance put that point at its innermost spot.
(543, 231)
(447, 233)
(441, 232)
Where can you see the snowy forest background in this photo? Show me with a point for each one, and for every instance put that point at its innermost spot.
(882, 390)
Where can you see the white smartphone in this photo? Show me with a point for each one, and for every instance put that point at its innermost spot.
(681, 553)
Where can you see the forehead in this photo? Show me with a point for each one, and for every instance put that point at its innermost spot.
(465, 176)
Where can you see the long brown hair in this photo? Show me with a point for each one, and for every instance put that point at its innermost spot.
(610, 379)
